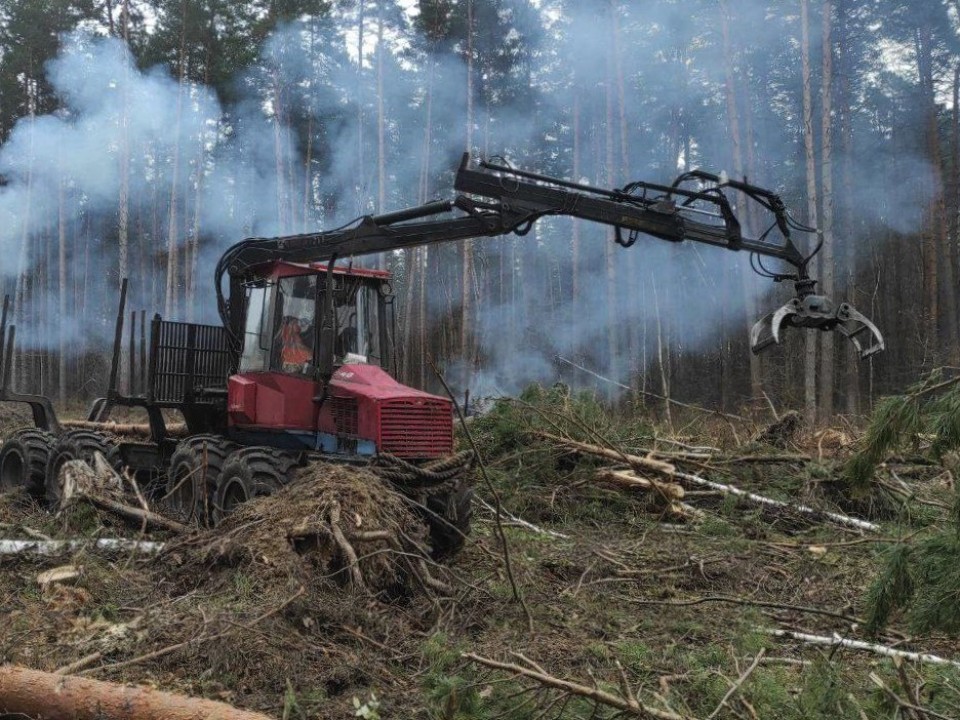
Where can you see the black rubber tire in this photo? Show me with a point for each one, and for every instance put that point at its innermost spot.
(23, 460)
(115, 460)
(195, 498)
(249, 473)
(72, 445)
(449, 519)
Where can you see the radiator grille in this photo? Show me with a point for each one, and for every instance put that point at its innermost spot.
(344, 411)
(186, 357)
(416, 428)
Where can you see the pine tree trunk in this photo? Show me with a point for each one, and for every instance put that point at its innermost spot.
(62, 292)
(575, 233)
(412, 277)
(422, 320)
(307, 201)
(381, 130)
(826, 199)
(381, 120)
(20, 370)
(810, 354)
(632, 280)
(278, 149)
(613, 310)
(851, 360)
(736, 139)
(932, 242)
(466, 307)
(123, 214)
(953, 209)
(945, 201)
(361, 98)
(193, 246)
(123, 209)
(418, 257)
(170, 301)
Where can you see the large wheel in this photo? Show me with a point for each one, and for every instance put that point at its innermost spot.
(449, 519)
(251, 472)
(23, 460)
(195, 468)
(72, 445)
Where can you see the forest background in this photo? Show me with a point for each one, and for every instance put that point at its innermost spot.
(140, 138)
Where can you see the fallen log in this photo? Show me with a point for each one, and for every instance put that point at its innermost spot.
(770, 502)
(669, 491)
(60, 547)
(40, 694)
(634, 461)
(511, 519)
(837, 641)
(644, 463)
(139, 430)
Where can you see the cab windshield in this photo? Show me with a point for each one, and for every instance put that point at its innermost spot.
(281, 331)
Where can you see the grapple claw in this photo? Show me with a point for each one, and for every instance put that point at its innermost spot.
(766, 331)
(816, 312)
(855, 326)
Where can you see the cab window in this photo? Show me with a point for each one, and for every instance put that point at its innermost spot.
(257, 340)
(294, 334)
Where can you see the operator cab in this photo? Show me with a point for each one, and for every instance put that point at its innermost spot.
(284, 319)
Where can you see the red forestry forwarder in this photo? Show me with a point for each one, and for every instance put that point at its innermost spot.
(300, 368)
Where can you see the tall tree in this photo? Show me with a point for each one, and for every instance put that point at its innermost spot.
(826, 183)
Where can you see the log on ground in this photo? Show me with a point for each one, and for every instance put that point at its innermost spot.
(630, 481)
(63, 697)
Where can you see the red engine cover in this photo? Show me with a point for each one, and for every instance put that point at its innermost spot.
(364, 403)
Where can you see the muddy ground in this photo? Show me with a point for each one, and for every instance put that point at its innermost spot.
(248, 614)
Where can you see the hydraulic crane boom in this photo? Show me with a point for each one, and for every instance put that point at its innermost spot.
(495, 200)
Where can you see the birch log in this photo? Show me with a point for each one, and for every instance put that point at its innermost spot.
(837, 641)
(60, 547)
(770, 502)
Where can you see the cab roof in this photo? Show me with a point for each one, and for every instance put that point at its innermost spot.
(283, 268)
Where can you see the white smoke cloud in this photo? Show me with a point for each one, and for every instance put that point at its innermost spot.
(243, 168)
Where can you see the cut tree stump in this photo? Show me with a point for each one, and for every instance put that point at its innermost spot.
(64, 697)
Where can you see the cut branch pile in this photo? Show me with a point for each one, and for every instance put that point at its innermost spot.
(335, 522)
(102, 486)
